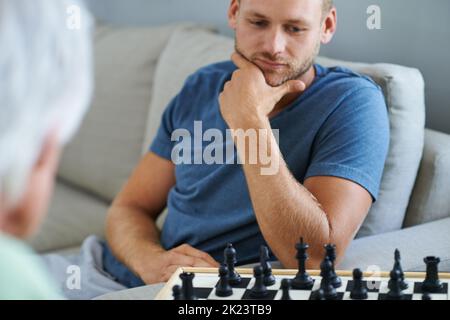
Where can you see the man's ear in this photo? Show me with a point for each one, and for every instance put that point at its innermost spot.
(329, 26)
(233, 11)
(24, 219)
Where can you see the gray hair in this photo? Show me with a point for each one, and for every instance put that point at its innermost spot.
(45, 82)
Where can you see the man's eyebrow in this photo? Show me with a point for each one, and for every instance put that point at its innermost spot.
(290, 21)
(256, 15)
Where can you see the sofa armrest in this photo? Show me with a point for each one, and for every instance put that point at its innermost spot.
(430, 199)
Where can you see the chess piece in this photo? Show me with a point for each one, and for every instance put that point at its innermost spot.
(426, 296)
(330, 250)
(359, 290)
(394, 285)
(302, 280)
(326, 272)
(269, 279)
(187, 287)
(431, 284)
(176, 292)
(223, 288)
(259, 290)
(318, 295)
(285, 287)
(397, 266)
(230, 259)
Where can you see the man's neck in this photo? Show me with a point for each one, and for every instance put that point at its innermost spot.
(308, 79)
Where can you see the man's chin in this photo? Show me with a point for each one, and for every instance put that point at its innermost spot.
(274, 81)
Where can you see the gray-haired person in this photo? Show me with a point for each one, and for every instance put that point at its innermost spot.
(45, 88)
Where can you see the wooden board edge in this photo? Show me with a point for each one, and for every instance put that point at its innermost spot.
(293, 272)
(166, 291)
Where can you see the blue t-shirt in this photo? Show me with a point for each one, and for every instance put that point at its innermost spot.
(337, 127)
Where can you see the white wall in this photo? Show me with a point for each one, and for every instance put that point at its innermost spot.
(414, 33)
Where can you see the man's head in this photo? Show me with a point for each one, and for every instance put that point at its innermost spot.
(282, 37)
(45, 76)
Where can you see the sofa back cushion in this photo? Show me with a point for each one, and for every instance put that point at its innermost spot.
(190, 49)
(108, 146)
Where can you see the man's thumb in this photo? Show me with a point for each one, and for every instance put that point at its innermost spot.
(292, 86)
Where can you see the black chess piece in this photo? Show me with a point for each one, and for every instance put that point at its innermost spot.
(326, 272)
(359, 290)
(269, 279)
(223, 288)
(302, 280)
(394, 285)
(176, 292)
(230, 260)
(426, 296)
(397, 266)
(187, 286)
(259, 290)
(330, 250)
(432, 284)
(285, 287)
(318, 295)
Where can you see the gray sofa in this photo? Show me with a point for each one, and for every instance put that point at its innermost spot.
(138, 71)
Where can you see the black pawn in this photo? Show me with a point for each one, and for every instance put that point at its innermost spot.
(302, 279)
(330, 250)
(397, 266)
(223, 288)
(187, 286)
(285, 287)
(359, 290)
(394, 285)
(230, 260)
(259, 290)
(326, 272)
(431, 283)
(269, 279)
(176, 292)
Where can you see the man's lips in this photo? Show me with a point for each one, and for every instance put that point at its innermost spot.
(269, 64)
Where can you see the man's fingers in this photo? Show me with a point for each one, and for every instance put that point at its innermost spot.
(181, 259)
(170, 270)
(191, 251)
(240, 61)
(202, 263)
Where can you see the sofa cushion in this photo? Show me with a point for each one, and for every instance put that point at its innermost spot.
(430, 197)
(73, 215)
(108, 145)
(190, 49)
(403, 89)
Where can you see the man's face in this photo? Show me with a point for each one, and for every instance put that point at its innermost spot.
(281, 37)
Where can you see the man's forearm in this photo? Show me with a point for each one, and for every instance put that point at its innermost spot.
(284, 209)
(142, 235)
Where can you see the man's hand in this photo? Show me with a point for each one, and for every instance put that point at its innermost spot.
(161, 264)
(248, 96)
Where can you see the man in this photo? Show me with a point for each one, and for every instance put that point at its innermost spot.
(45, 76)
(333, 141)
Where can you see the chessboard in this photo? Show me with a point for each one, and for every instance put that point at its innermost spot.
(205, 281)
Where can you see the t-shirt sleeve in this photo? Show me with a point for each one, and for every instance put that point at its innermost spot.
(162, 144)
(353, 142)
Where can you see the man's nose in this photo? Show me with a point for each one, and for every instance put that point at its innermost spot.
(274, 41)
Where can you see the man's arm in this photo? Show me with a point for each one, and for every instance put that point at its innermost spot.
(131, 224)
(323, 210)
